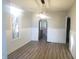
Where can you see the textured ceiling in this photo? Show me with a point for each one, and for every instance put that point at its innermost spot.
(50, 5)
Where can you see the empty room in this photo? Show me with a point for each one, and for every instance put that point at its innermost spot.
(40, 29)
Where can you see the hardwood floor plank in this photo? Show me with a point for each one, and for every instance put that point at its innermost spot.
(41, 50)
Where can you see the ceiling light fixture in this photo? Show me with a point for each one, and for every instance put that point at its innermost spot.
(43, 8)
(42, 1)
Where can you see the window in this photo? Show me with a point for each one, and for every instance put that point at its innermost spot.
(16, 14)
(15, 28)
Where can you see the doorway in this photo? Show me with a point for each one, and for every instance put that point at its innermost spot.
(68, 30)
(43, 30)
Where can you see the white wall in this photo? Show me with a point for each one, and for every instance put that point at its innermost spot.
(15, 44)
(4, 41)
(24, 30)
(56, 27)
(72, 43)
(56, 35)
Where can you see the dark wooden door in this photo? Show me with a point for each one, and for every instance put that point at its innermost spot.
(68, 30)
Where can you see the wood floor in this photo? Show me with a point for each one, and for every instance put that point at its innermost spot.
(41, 50)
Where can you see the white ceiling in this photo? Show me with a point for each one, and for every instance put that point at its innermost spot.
(51, 5)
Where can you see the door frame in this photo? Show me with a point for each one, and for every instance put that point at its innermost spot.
(39, 28)
(66, 27)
